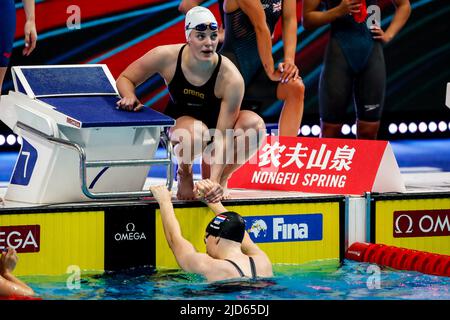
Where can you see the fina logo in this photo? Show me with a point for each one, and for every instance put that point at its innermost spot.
(258, 228)
(286, 228)
(289, 231)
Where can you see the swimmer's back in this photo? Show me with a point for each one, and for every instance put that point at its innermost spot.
(224, 270)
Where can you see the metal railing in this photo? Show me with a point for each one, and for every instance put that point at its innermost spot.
(84, 164)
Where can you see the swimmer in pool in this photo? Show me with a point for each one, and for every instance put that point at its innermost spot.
(354, 67)
(9, 284)
(230, 253)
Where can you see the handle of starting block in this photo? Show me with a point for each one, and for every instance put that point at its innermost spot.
(111, 163)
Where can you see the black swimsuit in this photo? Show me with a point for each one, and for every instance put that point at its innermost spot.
(353, 67)
(252, 266)
(198, 102)
(240, 46)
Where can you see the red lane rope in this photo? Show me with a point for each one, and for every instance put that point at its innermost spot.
(400, 258)
(20, 298)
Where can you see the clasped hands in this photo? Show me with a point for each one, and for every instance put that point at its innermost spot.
(206, 190)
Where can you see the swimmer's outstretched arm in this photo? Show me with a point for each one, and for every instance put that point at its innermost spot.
(9, 284)
(187, 257)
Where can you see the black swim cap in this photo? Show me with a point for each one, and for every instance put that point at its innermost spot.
(228, 225)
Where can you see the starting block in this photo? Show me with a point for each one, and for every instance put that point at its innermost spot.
(76, 145)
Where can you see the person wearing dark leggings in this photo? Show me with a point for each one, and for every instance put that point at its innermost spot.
(354, 62)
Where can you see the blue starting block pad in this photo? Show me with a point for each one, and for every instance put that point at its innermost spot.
(69, 80)
(86, 94)
(77, 145)
(98, 111)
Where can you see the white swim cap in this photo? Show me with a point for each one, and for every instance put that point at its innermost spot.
(195, 16)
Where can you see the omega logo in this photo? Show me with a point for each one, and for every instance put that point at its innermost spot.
(421, 223)
(410, 224)
(25, 238)
(130, 234)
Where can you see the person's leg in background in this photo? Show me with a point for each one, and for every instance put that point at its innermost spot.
(370, 88)
(2, 77)
(292, 93)
(261, 91)
(335, 91)
(7, 31)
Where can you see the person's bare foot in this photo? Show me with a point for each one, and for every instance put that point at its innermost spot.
(185, 189)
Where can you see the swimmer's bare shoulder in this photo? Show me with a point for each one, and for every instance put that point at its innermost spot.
(163, 59)
(167, 52)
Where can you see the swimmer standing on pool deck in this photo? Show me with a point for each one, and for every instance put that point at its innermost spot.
(230, 253)
(249, 26)
(8, 29)
(206, 92)
(354, 62)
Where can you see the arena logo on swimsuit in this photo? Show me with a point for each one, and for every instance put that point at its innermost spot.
(285, 228)
(21, 238)
(194, 93)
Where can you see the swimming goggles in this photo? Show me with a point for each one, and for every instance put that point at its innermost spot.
(203, 26)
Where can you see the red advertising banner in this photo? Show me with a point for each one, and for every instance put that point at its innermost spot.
(319, 165)
(421, 223)
(22, 238)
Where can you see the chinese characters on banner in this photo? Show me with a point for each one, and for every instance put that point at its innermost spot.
(334, 166)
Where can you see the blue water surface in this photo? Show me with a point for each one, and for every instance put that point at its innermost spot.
(314, 281)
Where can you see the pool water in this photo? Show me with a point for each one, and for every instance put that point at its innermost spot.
(314, 281)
